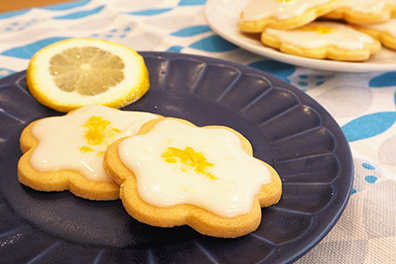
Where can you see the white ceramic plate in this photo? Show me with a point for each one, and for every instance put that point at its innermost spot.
(223, 16)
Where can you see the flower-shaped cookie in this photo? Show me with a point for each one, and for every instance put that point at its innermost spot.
(321, 40)
(174, 173)
(66, 152)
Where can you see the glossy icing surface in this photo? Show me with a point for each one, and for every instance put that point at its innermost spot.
(78, 141)
(216, 174)
(388, 27)
(322, 34)
(281, 10)
(364, 6)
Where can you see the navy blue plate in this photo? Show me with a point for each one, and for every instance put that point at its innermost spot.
(287, 129)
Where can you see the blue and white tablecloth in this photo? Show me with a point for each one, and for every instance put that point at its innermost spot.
(364, 105)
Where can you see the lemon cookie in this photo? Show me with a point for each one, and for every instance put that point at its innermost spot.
(282, 14)
(66, 153)
(174, 173)
(384, 32)
(362, 11)
(322, 40)
(78, 72)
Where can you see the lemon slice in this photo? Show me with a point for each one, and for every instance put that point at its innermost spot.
(77, 72)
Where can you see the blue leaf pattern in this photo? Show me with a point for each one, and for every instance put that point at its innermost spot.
(13, 14)
(66, 6)
(151, 12)
(213, 44)
(175, 49)
(279, 69)
(386, 79)
(81, 14)
(27, 51)
(368, 126)
(191, 2)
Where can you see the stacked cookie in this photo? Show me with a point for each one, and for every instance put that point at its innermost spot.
(167, 171)
(345, 30)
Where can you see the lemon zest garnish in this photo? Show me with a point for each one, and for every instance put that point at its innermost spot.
(116, 130)
(98, 132)
(85, 149)
(320, 29)
(190, 159)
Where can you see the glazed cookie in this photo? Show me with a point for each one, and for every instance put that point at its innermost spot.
(362, 11)
(384, 32)
(282, 14)
(322, 40)
(66, 153)
(174, 173)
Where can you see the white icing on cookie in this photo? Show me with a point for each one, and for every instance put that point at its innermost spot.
(321, 34)
(63, 141)
(388, 27)
(363, 6)
(280, 9)
(217, 174)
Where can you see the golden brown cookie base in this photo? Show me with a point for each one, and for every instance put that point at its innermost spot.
(203, 221)
(59, 180)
